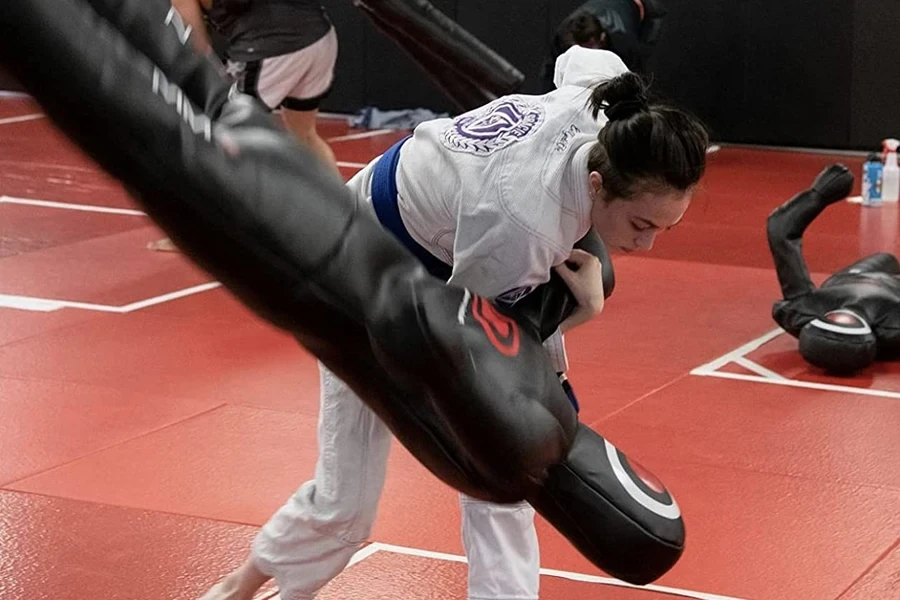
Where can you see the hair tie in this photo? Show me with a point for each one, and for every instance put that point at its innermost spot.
(624, 109)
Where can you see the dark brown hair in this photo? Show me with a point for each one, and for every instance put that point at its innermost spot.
(584, 29)
(644, 146)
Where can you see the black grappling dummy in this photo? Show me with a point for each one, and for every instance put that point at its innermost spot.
(468, 72)
(465, 385)
(854, 317)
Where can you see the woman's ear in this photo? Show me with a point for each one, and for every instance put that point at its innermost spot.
(596, 183)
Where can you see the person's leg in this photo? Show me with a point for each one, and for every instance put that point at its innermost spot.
(303, 124)
(241, 583)
(307, 74)
(334, 512)
(502, 550)
(297, 83)
(315, 533)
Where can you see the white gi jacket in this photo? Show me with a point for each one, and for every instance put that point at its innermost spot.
(502, 192)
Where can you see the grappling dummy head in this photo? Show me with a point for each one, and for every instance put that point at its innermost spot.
(841, 342)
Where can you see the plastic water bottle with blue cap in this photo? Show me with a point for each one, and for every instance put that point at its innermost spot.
(873, 173)
(890, 185)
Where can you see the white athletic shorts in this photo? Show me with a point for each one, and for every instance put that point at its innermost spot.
(296, 81)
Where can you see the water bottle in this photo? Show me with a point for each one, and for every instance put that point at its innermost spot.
(890, 180)
(873, 173)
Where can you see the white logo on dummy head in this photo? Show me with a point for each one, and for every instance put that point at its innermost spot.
(493, 126)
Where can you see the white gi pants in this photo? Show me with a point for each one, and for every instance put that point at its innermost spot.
(315, 534)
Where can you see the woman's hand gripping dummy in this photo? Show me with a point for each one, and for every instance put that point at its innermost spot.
(585, 280)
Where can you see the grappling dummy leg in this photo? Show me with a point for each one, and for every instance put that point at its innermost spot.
(463, 384)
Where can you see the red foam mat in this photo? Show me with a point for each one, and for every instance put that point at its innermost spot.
(233, 464)
(44, 424)
(882, 581)
(66, 550)
(130, 443)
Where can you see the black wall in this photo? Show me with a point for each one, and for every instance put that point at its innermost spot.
(875, 83)
(817, 73)
(7, 83)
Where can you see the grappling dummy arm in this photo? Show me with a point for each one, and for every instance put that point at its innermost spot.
(464, 385)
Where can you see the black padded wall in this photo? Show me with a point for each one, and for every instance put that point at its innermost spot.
(815, 73)
(875, 81)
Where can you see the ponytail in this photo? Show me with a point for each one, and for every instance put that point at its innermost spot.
(644, 144)
(619, 98)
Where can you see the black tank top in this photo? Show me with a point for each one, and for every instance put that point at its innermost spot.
(258, 29)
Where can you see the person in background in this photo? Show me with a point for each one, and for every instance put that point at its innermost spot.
(628, 28)
(282, 52)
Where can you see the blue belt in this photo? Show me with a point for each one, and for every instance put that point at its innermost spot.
(384, 200)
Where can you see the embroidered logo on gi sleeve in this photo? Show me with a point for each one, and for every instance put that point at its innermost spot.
(493, 126)
(565, 137)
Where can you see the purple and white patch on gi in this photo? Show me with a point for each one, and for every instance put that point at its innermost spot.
(493, 126)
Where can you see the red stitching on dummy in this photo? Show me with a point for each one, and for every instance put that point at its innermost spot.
(502, 331)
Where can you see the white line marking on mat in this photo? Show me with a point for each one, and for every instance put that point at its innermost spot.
(170, 296)
(360, 556)
(797, 150)
(826, 387)
(735, 354)
(70, 206)
(331, 116)
(364, 554)
(20, 119)
(49, 305)
(562, 574)
(859, 200)
(739, 356)
(28, 303)
(361, 136)
(759, 369)
(351, 165)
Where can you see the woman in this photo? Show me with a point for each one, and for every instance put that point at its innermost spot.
(492, 200)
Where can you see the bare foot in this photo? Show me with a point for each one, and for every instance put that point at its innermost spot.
(163, 245)
(240, 584)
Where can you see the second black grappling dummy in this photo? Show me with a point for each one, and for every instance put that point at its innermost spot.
(853, 318)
